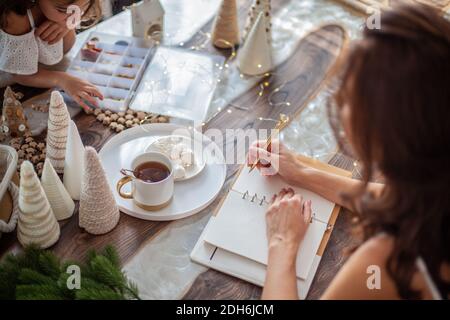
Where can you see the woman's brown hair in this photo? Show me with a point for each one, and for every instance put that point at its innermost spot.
(396, 83)
(20, 7)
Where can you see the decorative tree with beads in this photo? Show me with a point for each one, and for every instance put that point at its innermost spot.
(257, 7)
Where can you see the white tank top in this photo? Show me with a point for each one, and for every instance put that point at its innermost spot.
(22, 54)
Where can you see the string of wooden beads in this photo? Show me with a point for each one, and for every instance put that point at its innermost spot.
(119, 121)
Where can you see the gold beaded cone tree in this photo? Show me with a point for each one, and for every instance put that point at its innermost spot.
(58, 123)
(99, 213)
(258, 7)
(13, 121)
(255, 56)
(37, 223)
(226, 29)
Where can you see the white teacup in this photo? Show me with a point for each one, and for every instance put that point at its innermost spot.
(150, 196)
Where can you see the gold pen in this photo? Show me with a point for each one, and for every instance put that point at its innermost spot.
(284, 120)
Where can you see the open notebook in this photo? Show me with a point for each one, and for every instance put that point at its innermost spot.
(235, 241)
(240, 226)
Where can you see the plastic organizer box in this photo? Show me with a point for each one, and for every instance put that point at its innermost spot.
(115, 65)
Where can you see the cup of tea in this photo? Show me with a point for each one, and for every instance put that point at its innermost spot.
(152, 181)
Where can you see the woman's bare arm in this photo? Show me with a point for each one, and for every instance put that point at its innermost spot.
(331, 186)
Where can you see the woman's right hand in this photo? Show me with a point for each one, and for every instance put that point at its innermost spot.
(282, 161)
(81, 91)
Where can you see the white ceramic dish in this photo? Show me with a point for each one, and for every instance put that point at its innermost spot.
(171, 141)
(190, 196)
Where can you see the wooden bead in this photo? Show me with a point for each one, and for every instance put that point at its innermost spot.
(29, 139)
(120, 128)
(101, 117)
(35, 159)
(33, 144)
(30, 151)
(108, 112)
(114, 117)
(121, 120)
(129, 117)
(24, 146)
(130, 112)
(97, 111)
(129, 123)
(113, 125)
(107, 121)
(121, 114)
(41, 146)
(141, 115)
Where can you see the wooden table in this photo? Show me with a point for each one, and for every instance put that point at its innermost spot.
(305, 70)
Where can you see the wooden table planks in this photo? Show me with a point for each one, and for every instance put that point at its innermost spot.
(305, 71)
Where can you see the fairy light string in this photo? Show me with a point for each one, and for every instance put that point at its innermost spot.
(265, 81)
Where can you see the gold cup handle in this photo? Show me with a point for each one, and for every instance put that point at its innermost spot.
(120, 184)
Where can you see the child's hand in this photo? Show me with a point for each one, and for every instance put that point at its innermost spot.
(51, 32)
(81, 91)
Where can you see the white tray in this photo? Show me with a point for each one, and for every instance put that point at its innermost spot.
(190, 196)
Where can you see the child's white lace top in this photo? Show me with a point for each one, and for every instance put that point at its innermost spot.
(21, 54)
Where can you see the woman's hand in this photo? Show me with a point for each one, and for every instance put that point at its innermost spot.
(51, 32)
(287, 220)
(277, 160)
(81, 91)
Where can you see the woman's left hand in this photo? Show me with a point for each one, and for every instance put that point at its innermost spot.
(51, 32)
(287, 220)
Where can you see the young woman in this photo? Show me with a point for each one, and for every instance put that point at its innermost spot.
(393, 106)
(35, 33)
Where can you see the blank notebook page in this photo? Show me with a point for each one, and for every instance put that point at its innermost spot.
(240, 225)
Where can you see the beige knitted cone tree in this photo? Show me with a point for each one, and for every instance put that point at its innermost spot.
(226, 28)
(37, 223)
(58, 123)
(255, 57)
(57, 195)
(98, 212)
(258, 7)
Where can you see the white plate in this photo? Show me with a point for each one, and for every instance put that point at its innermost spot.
(199, 162)
(190, 196)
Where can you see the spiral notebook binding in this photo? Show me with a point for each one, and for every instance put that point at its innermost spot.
(254, 198)
(262, 200)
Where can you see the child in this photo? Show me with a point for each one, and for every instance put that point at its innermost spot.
(34, 33)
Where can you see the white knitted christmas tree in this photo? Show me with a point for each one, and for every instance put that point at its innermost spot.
(58, 123)
(73, 165)
(60, 200)
(258, 7)
(226, 29)
(98, 212)
(255, 57)
(37, 223)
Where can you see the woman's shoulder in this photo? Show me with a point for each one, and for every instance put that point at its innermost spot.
(365, 274)
(16, 24)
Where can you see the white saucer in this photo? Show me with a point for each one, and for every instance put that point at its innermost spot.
(190, 196)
